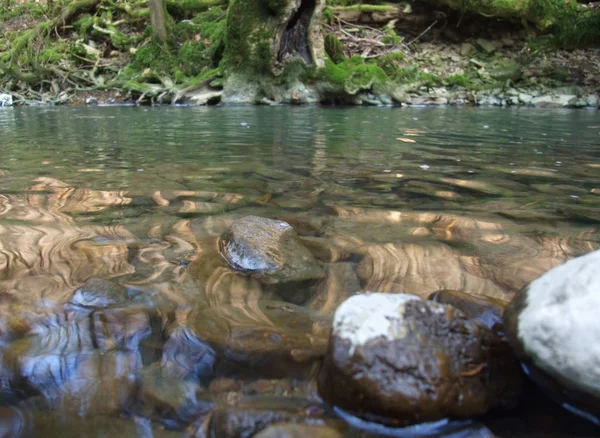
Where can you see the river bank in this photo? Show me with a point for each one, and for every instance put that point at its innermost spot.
(102, 52)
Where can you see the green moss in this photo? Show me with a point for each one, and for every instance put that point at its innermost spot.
(367, 8)
(457, 81)
(249, 36)
(390, 63)
(355, 75)
(185, 30)
(153, 56)
(189, 8)
(334, 48)
(276, 6)
(328, 15)
(84, 25)
(406, 75)
(53, 53)
(191, 58)
(391, 37)
(212, 25)
(429, 80)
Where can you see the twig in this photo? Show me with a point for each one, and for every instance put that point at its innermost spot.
(422, 33)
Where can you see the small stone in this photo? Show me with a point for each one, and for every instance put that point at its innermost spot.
(250, 417)
(553, 326)
(6, 100)
(592, 100)
(268, 249)
(98, 293)
(485, 310)
(487, 46)
(397, 356)
(525, 98)
(170, 398)
(476, 63)
(560, 101)
(506, 70)
(291, 430)
(91, 101)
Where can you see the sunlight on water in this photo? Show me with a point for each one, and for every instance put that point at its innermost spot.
(118, 314)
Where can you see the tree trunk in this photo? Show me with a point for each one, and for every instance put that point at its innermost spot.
(265, 35)
(157, 19)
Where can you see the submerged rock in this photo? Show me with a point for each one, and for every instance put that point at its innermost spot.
(291, 430)
(553, 325)
(98, 293)
(173, 401)
(251, 416)
(268, 249)
(266, 335)
(485, 310)
(399, 357)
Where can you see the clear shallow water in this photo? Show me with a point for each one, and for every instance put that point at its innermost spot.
(412, 200)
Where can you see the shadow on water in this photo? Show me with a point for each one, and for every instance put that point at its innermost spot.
(119, 317)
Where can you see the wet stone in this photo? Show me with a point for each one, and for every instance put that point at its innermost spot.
(268, 249)
(253, 415)
(54, 425)
(186, 356)
(98, 293)
(261, 335)
(485, 310)
(290, 430)
(399, 357)
(553, 325)
(173, 401)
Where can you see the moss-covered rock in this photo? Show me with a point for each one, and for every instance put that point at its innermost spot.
(504, 70)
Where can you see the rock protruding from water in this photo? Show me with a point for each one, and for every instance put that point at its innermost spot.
(269, 249)
(399, 357)
(553, 325)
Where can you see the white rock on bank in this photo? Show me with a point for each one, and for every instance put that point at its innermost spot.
(6, 100)
(561, 101)
(525, 98)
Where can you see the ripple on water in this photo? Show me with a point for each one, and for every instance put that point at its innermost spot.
(187, 342)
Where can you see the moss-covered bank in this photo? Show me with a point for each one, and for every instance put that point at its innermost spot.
(298, 51)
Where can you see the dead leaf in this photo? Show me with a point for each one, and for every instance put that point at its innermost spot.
(264, 199)
(406, 140)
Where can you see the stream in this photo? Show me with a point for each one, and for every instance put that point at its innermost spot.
(119, 317)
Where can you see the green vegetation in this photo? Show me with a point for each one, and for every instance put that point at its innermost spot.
(101, 44)
(334, 48)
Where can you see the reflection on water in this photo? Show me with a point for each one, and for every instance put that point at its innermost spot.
(117, 314)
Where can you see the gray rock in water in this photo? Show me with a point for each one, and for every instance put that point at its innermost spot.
(268, 249)
(553, 325)
(399, 357)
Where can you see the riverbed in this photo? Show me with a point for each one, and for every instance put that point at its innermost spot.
(411, 200)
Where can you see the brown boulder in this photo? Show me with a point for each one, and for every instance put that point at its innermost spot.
(397, 356)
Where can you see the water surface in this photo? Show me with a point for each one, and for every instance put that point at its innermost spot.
(394, 200)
